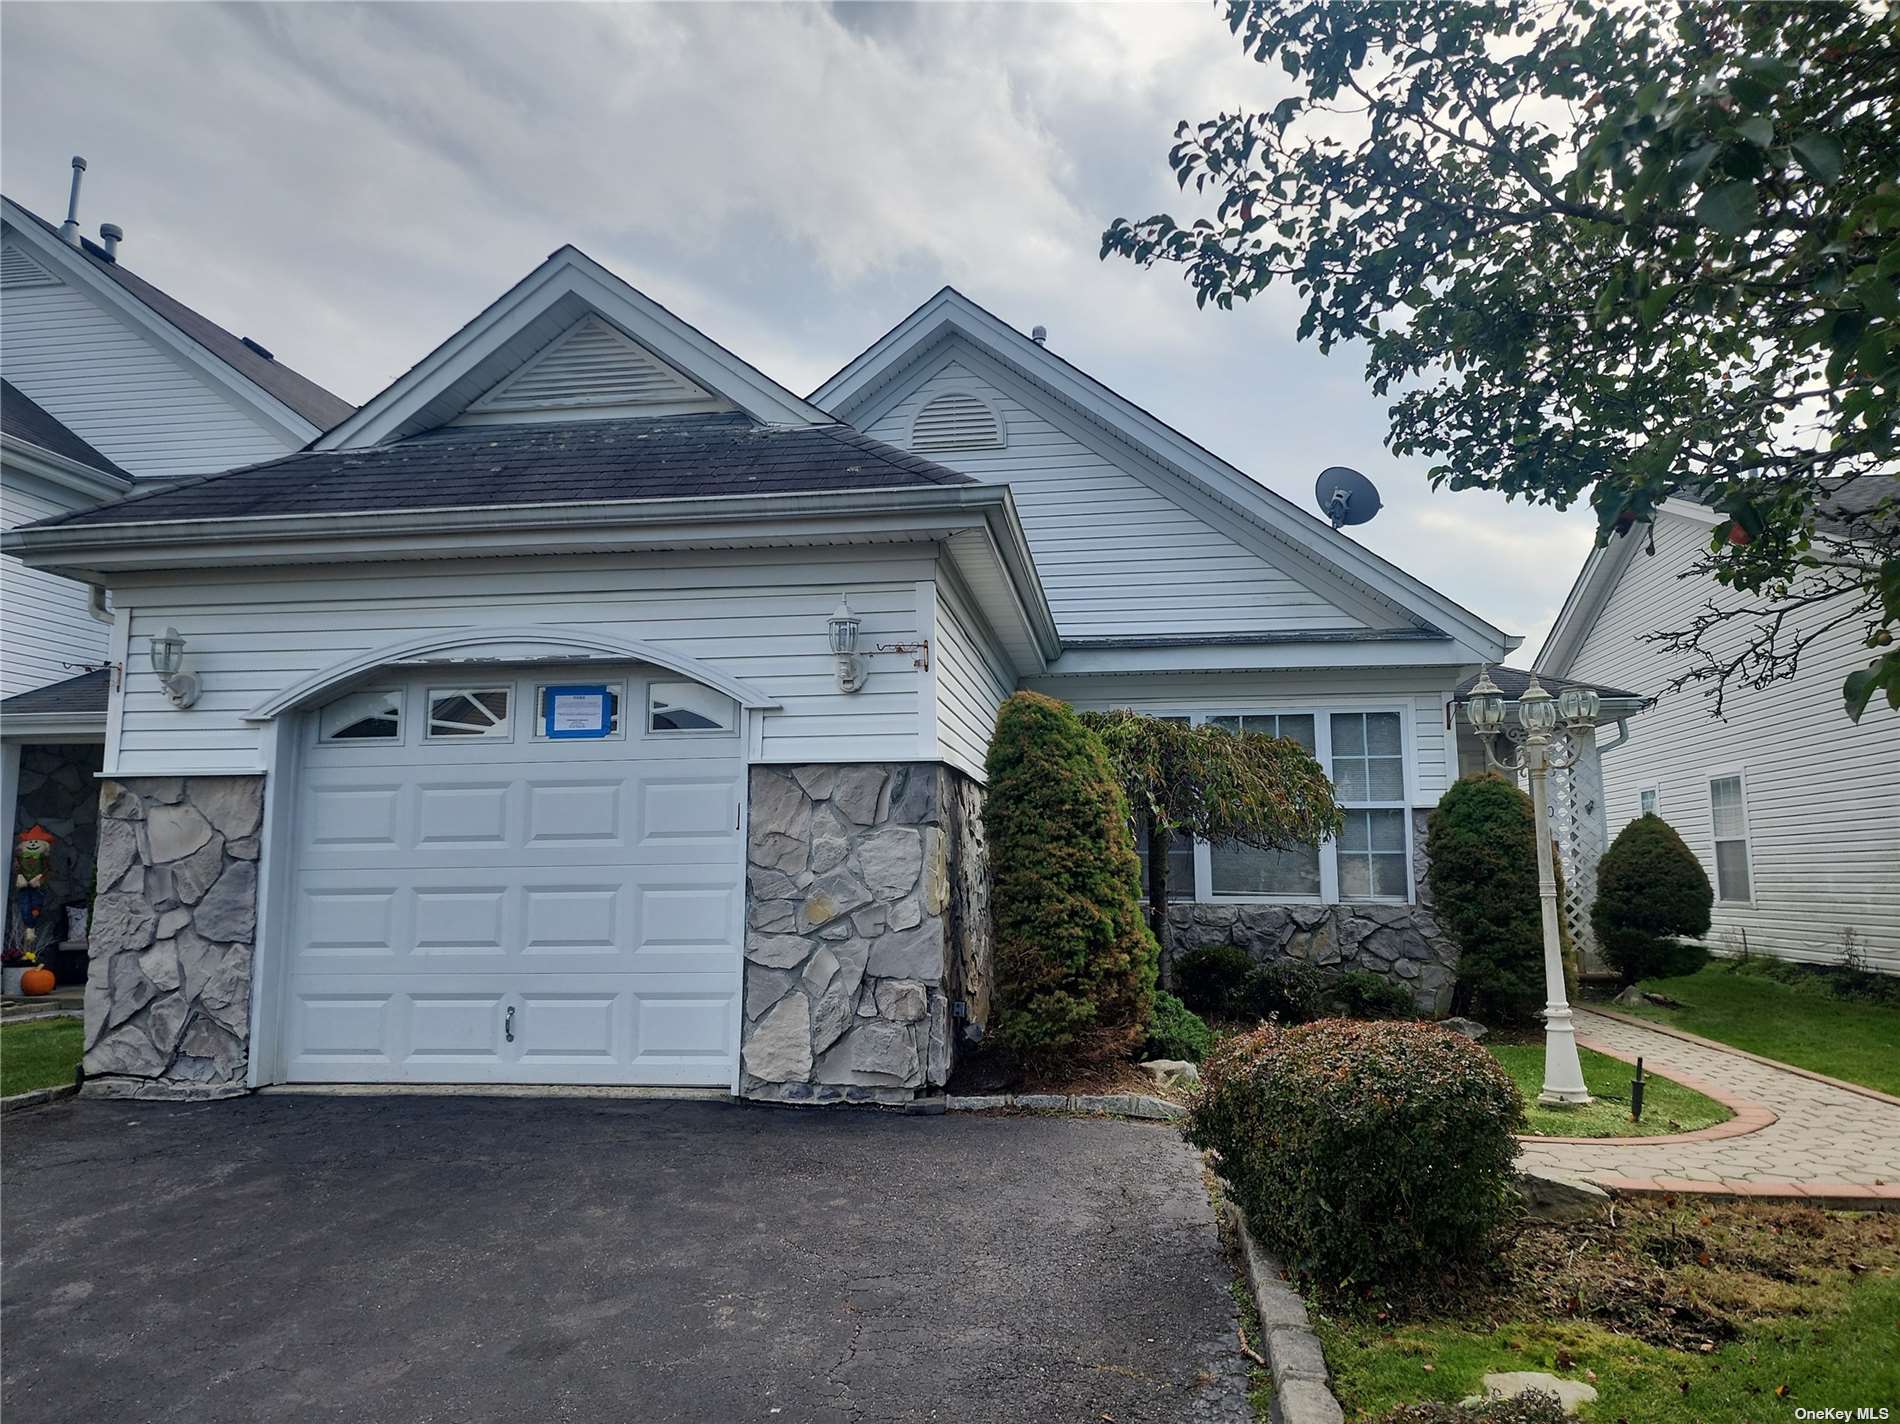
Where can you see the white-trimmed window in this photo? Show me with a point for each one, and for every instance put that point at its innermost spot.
(374, 716)
(1649, 801)
(1367, 753)
(689, 707)
(1728, 815)
(1242, 871)
(541, 710)
(464, 712)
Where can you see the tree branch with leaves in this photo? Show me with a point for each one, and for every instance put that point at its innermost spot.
(1620, 252)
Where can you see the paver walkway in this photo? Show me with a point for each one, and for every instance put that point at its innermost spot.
(1824, 1142)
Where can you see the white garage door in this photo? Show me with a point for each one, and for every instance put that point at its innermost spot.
(476, 900)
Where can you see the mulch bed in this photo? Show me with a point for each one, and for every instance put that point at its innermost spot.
(1672, 1273)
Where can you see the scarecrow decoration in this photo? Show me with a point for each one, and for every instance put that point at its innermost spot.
(32, 860)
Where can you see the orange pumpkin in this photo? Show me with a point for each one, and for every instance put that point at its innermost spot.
(37, 980)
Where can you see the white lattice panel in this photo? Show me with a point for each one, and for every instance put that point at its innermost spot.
(1577, 824)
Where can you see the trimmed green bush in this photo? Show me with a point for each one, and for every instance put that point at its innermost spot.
(1650, 890)
(1361, 994)
(1075, 964)
(1176, 1031)
(1482, 843)
(1213, 981)
(1366, 1155)
(1290, 990)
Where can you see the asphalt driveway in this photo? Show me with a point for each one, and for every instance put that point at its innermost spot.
(460, 1259)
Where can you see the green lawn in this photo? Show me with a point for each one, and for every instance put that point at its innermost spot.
(41, 1054)
(1667, 1107)
(1807, 1027)
(1839, 1357)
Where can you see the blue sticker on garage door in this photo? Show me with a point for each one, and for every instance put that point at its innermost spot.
(572, 712)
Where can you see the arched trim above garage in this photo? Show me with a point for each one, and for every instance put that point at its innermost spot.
(529, 643)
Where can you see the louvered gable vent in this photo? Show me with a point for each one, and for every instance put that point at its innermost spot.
(956, 420)
(19, 269)
(592, 364)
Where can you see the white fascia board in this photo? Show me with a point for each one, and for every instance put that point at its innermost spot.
(75, 266)
(94, 485)
(940, 514)
(1161, 442)
(570, 271)
(1261, 657)
(43, 727)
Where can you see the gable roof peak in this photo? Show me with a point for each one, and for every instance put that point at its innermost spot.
(519, 327)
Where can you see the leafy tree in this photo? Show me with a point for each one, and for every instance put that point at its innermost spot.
(1216, 785)
(1623, 250)
(1651, 892)
(1075, 965)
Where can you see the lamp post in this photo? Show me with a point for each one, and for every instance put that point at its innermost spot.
(1538, 715)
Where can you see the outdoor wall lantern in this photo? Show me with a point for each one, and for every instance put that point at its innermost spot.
(168, 661)
(852, 666)
(1539, 715)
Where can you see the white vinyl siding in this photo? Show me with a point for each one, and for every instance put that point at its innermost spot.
(759, 616)
(47, 631)
(972, 683)
(1116, 556)
(1822, 793)
(136, 403)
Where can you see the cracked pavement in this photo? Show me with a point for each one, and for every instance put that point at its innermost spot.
(438, 1259)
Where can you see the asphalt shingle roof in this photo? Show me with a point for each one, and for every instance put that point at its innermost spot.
(24, 419)
(664, 457)
(300, 393)
(1512, 682)
(89, 692)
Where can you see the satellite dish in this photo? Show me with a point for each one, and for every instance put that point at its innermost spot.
(1346, 496)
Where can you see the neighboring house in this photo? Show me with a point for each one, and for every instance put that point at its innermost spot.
(588, 707)
(108, 384)
(1793, 809)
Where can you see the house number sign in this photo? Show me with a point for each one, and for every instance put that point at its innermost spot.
(574, 712)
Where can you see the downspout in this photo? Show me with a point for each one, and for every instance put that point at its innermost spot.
(96, 604)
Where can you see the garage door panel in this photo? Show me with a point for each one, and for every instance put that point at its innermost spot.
(586, 896)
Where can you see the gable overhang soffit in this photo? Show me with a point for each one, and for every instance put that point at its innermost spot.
(949, 326)
(521, 324)
(51, 252)
(976, 526)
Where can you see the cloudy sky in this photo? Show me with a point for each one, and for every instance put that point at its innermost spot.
(349, 184)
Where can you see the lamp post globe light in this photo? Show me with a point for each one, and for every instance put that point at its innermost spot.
(1539, 715)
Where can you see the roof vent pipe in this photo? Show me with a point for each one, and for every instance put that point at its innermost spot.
(1039, 335)
(69, 230)
(111, 235)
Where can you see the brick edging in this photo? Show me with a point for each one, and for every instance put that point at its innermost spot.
(1749, 1117)
(1842, 1196)
(1682, 1033)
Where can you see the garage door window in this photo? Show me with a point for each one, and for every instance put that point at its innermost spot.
(363, 717)
(458, 712)
(541, 712)
(689, 707)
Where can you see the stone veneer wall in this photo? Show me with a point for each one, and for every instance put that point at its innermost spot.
(169, 984)
(867, 930)
(1401, 942)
